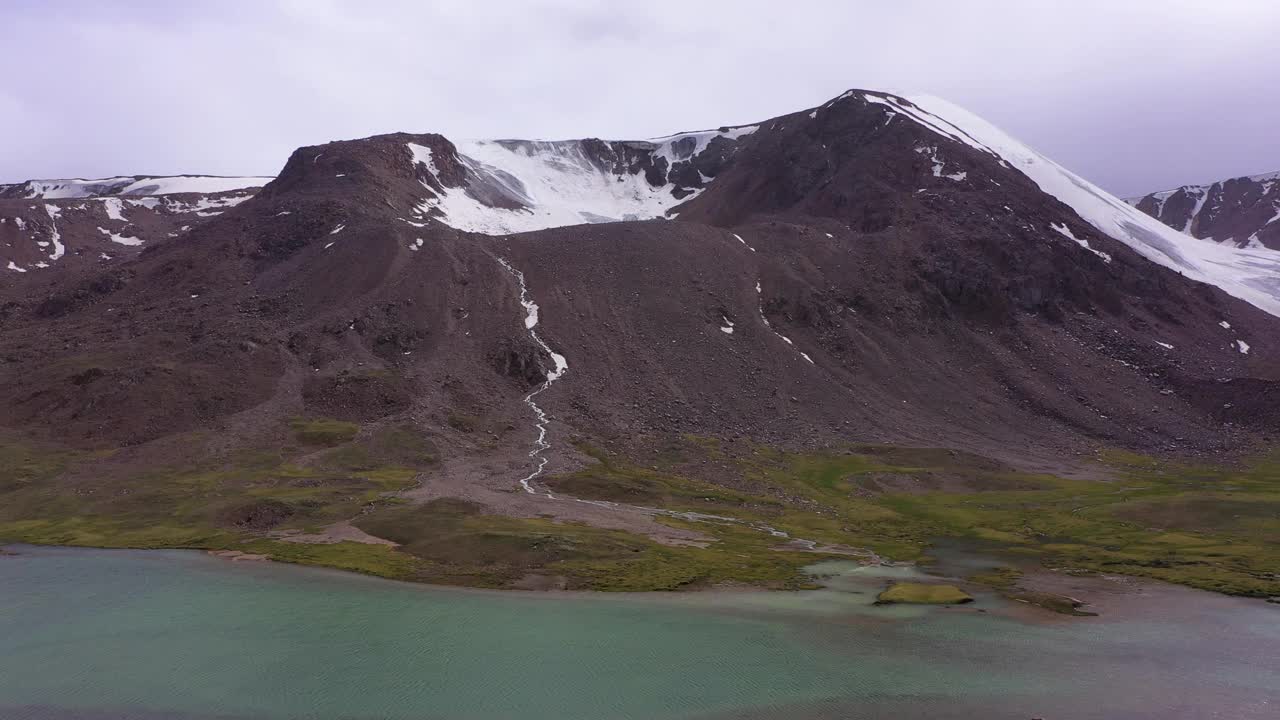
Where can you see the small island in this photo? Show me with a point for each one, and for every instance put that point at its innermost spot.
(923, 594)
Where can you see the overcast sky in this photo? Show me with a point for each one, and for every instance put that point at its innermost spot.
(1136, 95)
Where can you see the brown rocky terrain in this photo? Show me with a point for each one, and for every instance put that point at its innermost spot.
(930, 310)
(823, 279)
(75, 224)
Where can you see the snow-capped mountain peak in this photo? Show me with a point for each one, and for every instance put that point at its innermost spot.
(1251, 274)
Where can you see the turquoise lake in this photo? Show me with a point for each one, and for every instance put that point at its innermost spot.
(98, 634)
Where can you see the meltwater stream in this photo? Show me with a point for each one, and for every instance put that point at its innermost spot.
(530, 323)
(541, 444)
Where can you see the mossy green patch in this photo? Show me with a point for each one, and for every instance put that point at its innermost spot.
(108, 532)
(1210, 527)
(622, 482)
(458, 543)
(404, 445)
(997, 577)
(380, 560)
(323, 431)
(209, 504)
(28, 464)
(462, 422)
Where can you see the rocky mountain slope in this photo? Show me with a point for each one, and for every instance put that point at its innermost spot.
(75, 223)
(877, 269)
(1243, 212)
(848, 248)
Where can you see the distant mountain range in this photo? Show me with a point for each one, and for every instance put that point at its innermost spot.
(1243, 211)
(131, 185)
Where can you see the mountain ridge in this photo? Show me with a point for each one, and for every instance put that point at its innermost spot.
(884, 291)
(128, 185)
(1241, 211)
(380, 207)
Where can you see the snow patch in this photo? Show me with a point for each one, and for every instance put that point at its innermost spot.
(1066, 231)
(422, 154)
(667, 144)
(744, 242)
(1243, 346)
(205, 207)
(944, 127)
(727, 328)
(114, 208)
(1164, 345)
(121, 239)
(514, 186)
(138, 186)
(769, 325)
(549, 184)
(938, 165)
(1202, 195)
(1274, 217)
(55, 237)
(193, 184)
(15, 268)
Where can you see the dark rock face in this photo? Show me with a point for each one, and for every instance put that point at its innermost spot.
(358, 396)
(520, 361)
(838, 278)
(1243, 211)
(41, 237)
(261, 515)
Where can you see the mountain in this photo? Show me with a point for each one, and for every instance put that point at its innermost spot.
(889, 238)
(1243, 212)
(133, 186)
(91, 222)
(500, 317)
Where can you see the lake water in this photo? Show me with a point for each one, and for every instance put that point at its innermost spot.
(93, 634)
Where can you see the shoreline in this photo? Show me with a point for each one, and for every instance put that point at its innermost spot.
(1114, 598)
(170, 609)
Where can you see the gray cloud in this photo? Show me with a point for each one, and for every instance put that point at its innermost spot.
(1134, 95)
